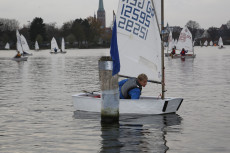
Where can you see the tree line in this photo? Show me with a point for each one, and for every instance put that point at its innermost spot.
(87, 33)
(78, 33)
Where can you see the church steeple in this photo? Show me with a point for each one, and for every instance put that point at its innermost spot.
(101, 14)
(101, 6)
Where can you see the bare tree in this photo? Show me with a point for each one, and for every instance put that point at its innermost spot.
(193, 26)
(8, 24)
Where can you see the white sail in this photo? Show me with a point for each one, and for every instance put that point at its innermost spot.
(54, 44)
(24, 43)
(170, 42)
(139, 41)
(63, 44)
(7, 46)
(206, 43)
(220, 42)
(211, 43)
(185, 40)
(36, 46)
(19, 44)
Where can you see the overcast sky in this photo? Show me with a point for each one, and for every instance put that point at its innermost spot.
(207, 13)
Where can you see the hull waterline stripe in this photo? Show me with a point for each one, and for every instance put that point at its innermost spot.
(165, 106)
(179, 105)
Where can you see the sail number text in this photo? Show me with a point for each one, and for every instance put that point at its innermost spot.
(135, 17)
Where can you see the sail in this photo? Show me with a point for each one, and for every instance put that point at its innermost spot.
(54, 44)
(24, 43)
(7, 46)
(211, 43)
(206, 43)
(220, 42)
(62, 44)
(185, 40)
(19, 45)
(170, 42)
(36, 46)
(138, 38)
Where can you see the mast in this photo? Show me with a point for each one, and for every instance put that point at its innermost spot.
(162, 50)
(161, 29)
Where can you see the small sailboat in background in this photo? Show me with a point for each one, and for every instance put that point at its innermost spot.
(36, 46)
(54, 46)
(170, 45)
(63, 46)
(206, 43)
(18, 56)
(7, 46)
(211, 43)
(185, 42)
(220, 43)
(25, 46)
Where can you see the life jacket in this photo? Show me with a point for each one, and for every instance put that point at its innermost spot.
(182, 52)
(129, 85)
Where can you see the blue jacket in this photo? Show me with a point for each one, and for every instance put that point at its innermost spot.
(133, 93)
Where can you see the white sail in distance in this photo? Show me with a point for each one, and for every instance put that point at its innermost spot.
(7, 46)
(54, 44)
(62, 44)
(185, 40)
(206, 43)
(138, 38)
(211, 43)
(19, 44)
(24, 43)
(170, 42)
(36, 46)
(220, 42)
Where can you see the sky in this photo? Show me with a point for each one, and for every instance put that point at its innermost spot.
(208, 13)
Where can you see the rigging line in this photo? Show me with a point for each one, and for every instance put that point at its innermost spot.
(158, 25)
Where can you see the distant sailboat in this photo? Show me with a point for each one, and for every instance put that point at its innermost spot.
(220, 43)
(36, 46)
(63, 46)
(211, 43)
(19, 56)
(206, 43)
(25, 46)
(170, 43)
(185, 41)
(7, 46)
(54, 46)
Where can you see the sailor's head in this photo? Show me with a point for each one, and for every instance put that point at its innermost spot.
(142, 79)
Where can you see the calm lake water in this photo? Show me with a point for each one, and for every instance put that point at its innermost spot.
(37, 114)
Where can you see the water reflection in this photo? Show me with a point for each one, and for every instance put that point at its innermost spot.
(135, 133)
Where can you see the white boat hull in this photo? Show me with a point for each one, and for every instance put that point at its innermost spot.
(179, 56)
(144, 105)
(20, 59)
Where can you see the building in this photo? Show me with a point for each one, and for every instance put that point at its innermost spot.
(101, 14)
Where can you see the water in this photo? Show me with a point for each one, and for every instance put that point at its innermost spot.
(37, 115)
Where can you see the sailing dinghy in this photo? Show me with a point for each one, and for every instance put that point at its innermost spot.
(19, 48)
(220, 43)
(25, 46)
(7, 46)
(63, 46)
(54, 46)
(36, 46)
(140, 51)
(185, 41)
